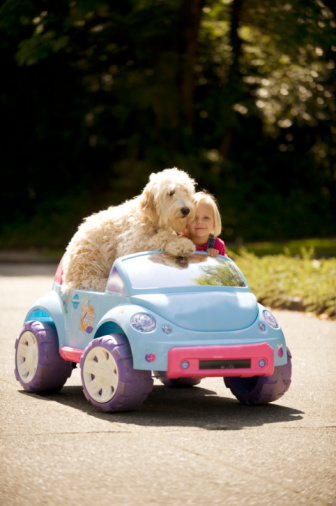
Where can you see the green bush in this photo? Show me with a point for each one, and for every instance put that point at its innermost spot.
(283, 281)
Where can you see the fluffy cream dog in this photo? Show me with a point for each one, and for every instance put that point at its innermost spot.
(150, 221)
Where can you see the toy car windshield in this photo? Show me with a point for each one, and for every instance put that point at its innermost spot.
(159, 270)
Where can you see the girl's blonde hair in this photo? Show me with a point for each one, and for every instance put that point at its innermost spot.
(210, 199)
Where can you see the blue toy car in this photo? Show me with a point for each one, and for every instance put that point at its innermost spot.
(178, 319)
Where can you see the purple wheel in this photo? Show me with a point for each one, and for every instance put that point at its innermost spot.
(178, 382)
(109, 381)
(38, 365)
(262, 389)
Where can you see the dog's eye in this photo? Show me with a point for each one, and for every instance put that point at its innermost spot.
(171, 193)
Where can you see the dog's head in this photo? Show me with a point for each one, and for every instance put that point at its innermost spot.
(168, 199)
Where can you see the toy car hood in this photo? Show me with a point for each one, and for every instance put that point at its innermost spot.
(211, 311)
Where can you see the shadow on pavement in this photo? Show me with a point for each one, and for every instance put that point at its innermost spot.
(183, 407)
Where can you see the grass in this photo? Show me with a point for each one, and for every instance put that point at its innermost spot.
(319, 247)
(302, 282)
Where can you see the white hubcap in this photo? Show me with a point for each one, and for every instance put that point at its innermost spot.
(27, 356)
(100, 374)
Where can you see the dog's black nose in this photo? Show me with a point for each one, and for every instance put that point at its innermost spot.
(185, 211)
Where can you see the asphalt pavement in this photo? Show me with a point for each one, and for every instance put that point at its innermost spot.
(194, 446)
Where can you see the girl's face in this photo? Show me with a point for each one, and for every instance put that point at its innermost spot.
(203, 224)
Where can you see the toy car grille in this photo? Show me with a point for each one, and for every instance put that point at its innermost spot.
(225, 364)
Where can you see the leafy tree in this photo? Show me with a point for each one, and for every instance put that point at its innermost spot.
(98, 94)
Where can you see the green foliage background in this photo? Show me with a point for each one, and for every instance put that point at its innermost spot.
(301, 282)
(97, 95)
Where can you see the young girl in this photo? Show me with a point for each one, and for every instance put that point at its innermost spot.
(207, 222)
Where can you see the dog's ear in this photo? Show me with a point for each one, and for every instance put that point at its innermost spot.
(147, 204)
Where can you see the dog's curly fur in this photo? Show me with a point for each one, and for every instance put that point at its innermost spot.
(150, 221)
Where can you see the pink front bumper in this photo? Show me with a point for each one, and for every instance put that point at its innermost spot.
(232, 360)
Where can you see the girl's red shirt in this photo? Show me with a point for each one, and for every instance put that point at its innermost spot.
(219, 245)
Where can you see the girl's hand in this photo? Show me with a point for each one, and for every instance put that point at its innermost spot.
(212, 252)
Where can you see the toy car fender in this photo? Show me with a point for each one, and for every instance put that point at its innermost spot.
(49, 309)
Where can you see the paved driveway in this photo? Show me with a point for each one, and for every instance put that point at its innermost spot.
(194, 446)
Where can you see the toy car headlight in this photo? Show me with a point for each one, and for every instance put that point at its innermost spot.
(143, 322)
(270, 319)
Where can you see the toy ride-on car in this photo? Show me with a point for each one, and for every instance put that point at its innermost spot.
(179, 320)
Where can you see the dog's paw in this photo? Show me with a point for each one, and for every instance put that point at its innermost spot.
(180, 247)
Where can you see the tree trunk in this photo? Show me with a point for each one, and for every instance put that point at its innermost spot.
(234, 85)
(191, 13)
(235, 40)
